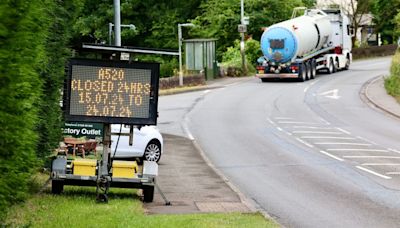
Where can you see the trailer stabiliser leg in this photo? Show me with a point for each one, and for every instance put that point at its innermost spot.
(167, 202)
(103, 186)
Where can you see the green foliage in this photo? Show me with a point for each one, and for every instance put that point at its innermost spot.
(220, 18)
(385, 12)
(397, 28)
(22, 37)
(52, 73)
(392, 83)
(76, 207)
(233, 58)
(156, 21)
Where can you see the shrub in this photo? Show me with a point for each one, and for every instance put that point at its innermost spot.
(22, 39)
(232, 58)
(392, 83)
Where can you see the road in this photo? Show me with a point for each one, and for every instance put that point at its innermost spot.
(309, 154)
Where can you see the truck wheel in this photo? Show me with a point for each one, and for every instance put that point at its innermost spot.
(336, 66)
(331, 69)
(302, 73)
(313, 69)
(148, 194)
(57, 186)
(308, 67)
(347, 66)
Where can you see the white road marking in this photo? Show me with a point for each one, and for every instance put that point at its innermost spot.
(288, 133)
(374, 173)
(295, 122)
(326, 137)
(393, 173)
(366, 156)
(331, 94)
(315, 128)
(308, 127)
(372, 142)
(331, 155)
(317, 132)
(270, 121)
(283, 118)
(280, 129)
(359, 150)
(381, 164)
(304, 142)
(326, 122)
(336, 143)
(206, 91)
(344, 131)
(393, 150)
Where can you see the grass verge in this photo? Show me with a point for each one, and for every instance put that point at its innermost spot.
(76, 207)
(392, 83)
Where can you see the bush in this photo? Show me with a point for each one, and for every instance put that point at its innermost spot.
(232, 58)
(22, 39)
(392, 83)
(169, 66)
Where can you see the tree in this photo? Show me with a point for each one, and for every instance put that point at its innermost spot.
(62, 15)
(23, 32)
(385, 12)
(220, 18)
(355, 10)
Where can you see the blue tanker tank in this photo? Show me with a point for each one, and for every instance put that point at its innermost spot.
(279, 45)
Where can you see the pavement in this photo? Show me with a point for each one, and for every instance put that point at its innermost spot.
(189, 182)
(376, 95)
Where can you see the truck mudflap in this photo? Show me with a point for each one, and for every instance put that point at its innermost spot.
(284, 75)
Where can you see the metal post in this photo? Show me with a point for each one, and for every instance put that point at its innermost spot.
(180, 54)
(110, 25)
(180, 50)
(242, 45)
(117, 22)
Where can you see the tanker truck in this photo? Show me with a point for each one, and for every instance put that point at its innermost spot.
(298, 48)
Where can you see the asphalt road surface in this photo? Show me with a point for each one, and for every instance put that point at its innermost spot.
(310, 154)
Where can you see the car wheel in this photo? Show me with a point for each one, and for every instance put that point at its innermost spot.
(152, 151)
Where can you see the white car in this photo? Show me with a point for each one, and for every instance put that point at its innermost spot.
(147, 143)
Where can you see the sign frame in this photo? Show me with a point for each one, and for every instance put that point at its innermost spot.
(153, 96)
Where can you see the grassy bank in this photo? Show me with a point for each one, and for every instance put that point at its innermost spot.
(392, 83)
(76, 207)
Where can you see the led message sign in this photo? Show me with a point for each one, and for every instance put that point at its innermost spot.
(111, 92)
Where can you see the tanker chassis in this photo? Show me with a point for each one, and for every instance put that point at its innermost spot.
(298, 48)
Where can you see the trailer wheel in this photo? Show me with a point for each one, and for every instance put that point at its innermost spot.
(57, 186)
(313, 69)
(308, 70)
(302, 73)
(148, 194)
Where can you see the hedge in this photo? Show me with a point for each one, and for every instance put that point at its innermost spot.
(392, 83)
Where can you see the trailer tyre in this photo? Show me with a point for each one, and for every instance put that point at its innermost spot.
(302, 73)
(308, 68)
(57, 186)
(313, 69)
(148, 194)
